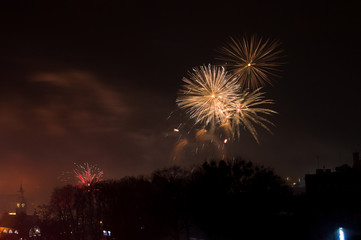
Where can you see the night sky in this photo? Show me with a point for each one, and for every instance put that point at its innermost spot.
(95, 82)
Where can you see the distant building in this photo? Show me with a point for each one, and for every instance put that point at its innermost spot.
(343, 183)
(21, 205)
(333, 199)
(19, 223)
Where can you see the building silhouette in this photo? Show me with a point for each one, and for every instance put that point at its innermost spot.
(21, 205)
(343, 183)
(333, 200)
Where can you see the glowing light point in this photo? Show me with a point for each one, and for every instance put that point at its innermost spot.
(341, 234)
(175, 130)
(249, 64)
(225, 140)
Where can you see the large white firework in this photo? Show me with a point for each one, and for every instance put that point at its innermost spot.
(208, 95)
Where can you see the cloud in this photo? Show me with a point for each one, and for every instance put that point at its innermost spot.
(62, 102)
(49, 120)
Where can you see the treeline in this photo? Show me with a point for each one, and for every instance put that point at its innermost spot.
(217, 200)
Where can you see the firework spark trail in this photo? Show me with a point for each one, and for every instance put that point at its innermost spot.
(252, 60)
(193, 140)
(181, 144)
(88, 174)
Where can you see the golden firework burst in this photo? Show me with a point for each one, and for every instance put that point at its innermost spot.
(254, 61)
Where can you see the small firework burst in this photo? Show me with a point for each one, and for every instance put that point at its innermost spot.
(252, 60)
(87, 174)
(208, 94)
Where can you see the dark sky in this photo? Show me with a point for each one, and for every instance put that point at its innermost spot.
(95, 82)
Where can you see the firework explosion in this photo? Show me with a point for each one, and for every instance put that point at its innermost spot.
(213, 97)
(87, 174)
(208, 95)
(252, 60)
(222, 103)
(248, 112)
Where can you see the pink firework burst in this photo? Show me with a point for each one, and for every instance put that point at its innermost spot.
(88, 174)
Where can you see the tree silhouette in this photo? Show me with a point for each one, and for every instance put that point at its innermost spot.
(223, 200)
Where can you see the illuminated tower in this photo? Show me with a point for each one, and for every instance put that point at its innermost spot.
(21, 204)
